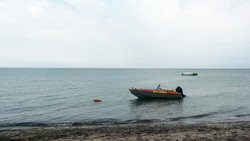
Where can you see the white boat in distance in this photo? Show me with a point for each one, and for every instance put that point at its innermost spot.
(189, 74)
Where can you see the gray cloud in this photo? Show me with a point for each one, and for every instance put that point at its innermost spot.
(142, 33)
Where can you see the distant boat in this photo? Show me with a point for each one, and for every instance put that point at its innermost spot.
(189, 74)
(155, 93)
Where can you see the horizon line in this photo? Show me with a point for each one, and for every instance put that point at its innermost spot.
(110, 68)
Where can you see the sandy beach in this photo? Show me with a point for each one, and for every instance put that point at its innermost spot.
(227, 131)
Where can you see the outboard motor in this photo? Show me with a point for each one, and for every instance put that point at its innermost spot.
(179, 90)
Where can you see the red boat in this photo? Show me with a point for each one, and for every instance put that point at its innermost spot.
(156, 93)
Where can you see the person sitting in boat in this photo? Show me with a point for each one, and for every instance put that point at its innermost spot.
(179, 90)
(158, 87)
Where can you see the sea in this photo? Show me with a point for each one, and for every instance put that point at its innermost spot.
(64, 97)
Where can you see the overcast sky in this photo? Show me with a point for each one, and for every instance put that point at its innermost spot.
(125, 33)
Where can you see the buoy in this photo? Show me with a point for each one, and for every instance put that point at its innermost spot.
(97, 100)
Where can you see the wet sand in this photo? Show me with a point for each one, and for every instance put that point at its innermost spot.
(227, 131)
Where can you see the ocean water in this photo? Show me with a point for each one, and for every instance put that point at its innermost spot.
(64, 97)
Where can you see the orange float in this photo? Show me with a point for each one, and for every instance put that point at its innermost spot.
(97, 100)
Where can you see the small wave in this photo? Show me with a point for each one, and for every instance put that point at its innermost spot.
(142, 121)
(96, 122)
(33, 124)
(114, 121)
(209, 114)
(243, 115)
(192, 117)
(68, 124)
(25, 124)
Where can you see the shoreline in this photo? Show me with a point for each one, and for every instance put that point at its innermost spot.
(239, 131)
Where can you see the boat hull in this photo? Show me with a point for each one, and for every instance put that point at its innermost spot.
(155, 94)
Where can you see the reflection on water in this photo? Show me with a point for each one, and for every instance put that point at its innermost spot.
(155, 108)
(156, 102)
